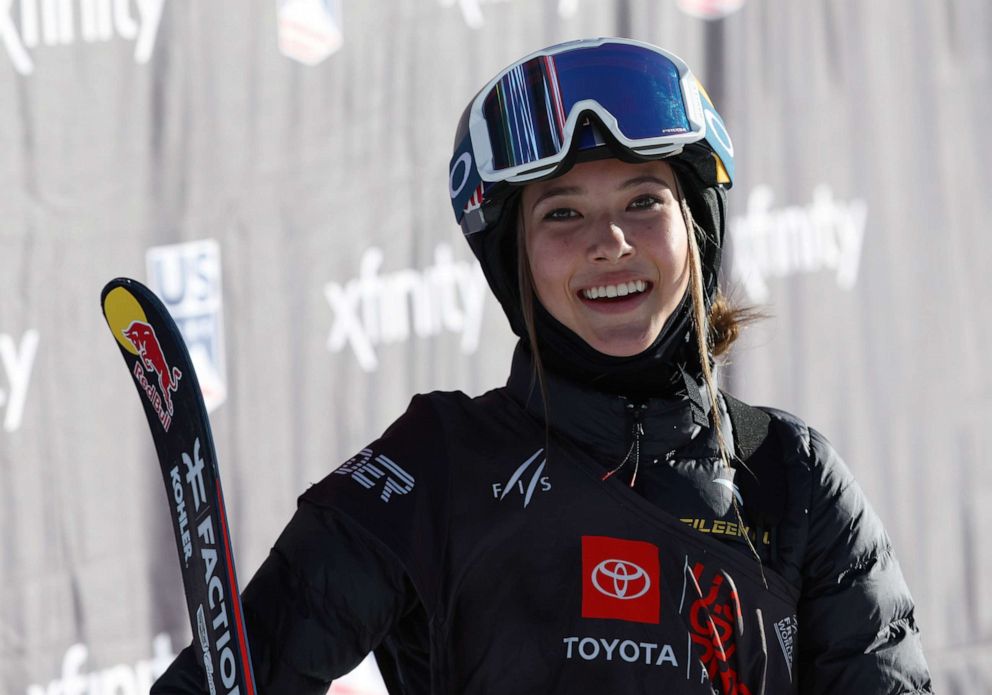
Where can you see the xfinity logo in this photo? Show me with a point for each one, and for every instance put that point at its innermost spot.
(620, 579)
(472, 9)
(16, 360)
(119, 679)
(375, 309)
(516, 481)
(827, 234)
(63, 22)
(367, 472)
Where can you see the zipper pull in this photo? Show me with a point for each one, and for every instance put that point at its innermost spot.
(637, 431)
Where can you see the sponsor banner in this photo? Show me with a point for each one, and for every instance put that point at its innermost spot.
(16, 366)
(475, 18)
(825, 235)
(78, 676)
(187, 278)
(383, 308)
(309, 30)
(710, 9)
(32, 25)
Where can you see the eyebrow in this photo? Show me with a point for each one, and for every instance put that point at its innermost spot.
(647, 178)
(572, 190)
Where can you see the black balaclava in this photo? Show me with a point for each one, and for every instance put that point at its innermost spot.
(672, 359)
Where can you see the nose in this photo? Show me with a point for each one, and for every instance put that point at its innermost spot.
(610, 243)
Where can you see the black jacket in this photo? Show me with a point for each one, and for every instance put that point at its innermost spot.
(476, 548)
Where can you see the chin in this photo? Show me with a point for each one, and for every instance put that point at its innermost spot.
(616, 347)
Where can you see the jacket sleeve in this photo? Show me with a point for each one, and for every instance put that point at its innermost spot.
(326, 596)
(357, 559)
(857, 631)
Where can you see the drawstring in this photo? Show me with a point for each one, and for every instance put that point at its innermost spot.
(637, 430)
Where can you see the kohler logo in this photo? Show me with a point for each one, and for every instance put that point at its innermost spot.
(26, 25)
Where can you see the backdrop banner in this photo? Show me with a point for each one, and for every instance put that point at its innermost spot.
(276, 170)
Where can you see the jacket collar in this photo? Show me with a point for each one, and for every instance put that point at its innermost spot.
(605, 421)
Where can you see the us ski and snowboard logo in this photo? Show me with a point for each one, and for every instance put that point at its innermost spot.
(155, 378)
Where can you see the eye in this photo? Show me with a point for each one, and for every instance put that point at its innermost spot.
(645, 202)
(561, 214)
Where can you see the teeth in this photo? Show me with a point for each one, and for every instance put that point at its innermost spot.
(621, 290)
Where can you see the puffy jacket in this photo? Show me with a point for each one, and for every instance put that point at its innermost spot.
(477, 548)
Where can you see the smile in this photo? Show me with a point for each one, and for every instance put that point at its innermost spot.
(611, 291)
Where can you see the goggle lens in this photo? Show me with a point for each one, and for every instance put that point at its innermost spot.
(527, 109)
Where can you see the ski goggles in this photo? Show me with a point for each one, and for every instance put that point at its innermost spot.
(521, 125)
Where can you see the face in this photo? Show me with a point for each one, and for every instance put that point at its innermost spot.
(608, 251)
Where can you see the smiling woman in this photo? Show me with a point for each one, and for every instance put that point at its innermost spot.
(628, 527)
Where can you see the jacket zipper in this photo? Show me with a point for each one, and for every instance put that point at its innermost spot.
(636, 412)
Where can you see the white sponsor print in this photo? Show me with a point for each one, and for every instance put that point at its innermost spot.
(827, 234)
(785, 630)
(367, 472)
(375, 309)
(602, 649)
(17, 361)
(620, 579)
(122, 679)
(309, 30)
(472, 9)
(28, 24)
(516, 482)
(187, 278)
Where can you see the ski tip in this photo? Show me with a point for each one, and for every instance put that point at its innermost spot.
(122, 308)
(115, 283)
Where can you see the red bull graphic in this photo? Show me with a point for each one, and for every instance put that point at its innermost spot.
(142, 336)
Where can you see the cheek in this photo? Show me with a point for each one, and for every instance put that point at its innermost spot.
(550, 268)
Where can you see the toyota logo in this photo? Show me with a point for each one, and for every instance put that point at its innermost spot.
(620, 579)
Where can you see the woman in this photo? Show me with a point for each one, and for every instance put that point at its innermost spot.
(609, 521)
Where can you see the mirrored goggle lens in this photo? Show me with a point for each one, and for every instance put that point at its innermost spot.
(526, 109)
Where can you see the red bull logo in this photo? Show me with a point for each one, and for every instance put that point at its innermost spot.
(142, 336)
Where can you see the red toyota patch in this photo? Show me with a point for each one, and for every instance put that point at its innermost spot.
(621, 580)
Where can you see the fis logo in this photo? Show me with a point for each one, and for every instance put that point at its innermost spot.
(142, 336)
(17, 361)
(373, 309)
(63, 22)
(517, 483)
(309, 30)
(188, 279)
(368, 472)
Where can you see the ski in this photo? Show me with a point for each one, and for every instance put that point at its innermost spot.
(158, 361)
